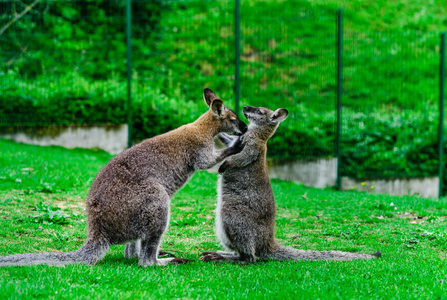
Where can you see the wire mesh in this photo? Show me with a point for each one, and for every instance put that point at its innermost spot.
(390, 113)
(288, 60)
(64, 62)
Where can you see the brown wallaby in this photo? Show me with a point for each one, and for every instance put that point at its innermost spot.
(245, 214)
(130, 197)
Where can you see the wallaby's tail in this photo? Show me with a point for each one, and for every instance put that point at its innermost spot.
(288, 253)
(90, 253)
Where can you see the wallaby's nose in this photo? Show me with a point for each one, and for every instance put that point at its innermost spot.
(245, 108)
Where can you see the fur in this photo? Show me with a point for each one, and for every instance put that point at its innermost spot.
(245, 214)
(130, 197)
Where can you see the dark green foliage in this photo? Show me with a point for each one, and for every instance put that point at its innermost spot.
(65, 63)
(351, 232)
(392, 145)
(51, 215)
(63, 108)
(185, 221)
(82, 36)
(98, 106)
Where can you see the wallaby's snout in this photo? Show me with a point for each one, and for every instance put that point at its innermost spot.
(248, 109)
(255, 113)
(234, 124)
(229, 121)
(243, 127)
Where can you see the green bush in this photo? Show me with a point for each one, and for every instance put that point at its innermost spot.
(400, 144)
(96, 105)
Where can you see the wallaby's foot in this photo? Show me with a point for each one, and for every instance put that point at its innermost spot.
(180, 261)
(165, 262)
(163, 254)
(213, 257)
(222, 258)
(219, 256)
(154, 262)
(221, 253)
(132, 250)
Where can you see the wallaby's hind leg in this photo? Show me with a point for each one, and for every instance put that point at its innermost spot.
(132, 249)
(220, 256)
(247, 258)
(154, 219)
(148, 254)
(149, 251)
(228, 257)
(222, 253)
(242, 241)
(165, 254)
(244, 253)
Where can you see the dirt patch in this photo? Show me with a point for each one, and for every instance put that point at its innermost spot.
(409, 216)
(415, 219)
(71, 204)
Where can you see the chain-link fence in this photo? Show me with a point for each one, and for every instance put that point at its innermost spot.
(391, 108)
(64, 62)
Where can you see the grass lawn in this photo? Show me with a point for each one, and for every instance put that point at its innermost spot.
(41, 209)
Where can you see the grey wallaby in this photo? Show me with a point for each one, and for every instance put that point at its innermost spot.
(130, 197)
(245, 214)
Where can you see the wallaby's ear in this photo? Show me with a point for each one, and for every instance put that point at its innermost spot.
(217, 107)
(280, 115)
(209, 96)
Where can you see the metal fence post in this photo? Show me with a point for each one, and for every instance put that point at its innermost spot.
(339, 95)
(129, 70)
(441, 114)
(237, 31)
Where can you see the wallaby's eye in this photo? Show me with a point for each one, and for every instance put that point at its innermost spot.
(234, 121)
(259, 112)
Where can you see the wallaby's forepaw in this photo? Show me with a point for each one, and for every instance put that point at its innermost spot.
(237, 147)
(226, 139)
(180, 261)
(162, 254)
(223, 167)
(212, 257)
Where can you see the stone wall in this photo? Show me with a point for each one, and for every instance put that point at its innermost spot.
(322, 173)
(425, 187)
(319, 173)
(111, 138)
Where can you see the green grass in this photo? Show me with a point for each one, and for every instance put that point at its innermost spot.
(413, 264)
